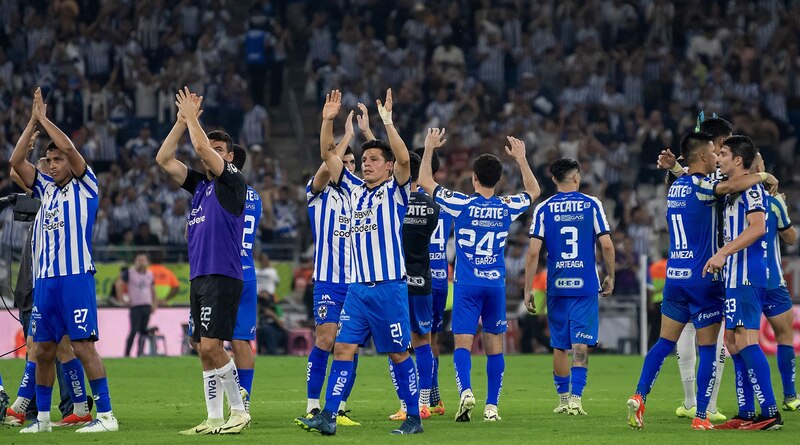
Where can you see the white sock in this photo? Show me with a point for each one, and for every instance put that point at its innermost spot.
(563, 398)
(213, 394)
(425, 397)
(342, 406)
(574, 397)
(312, 404)
(43, 417)
(81, 409)
(403, 406)
(21, 404)
(721, 353)
(687, 358)
(229, 379)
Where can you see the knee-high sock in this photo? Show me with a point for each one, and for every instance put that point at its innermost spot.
(100, 393)
(495, 368)
(73, 376)
(721, 352)
(229, 380)
(687, 359)
(758, 371)
(350, 383)
(315, 375)
(706, 372)
(463, 364)
(213, 394)
(395, 383)
(786, 365)
(406, 374)
(652, 365)
(562, 383)
(435, 383)
(44, 398)
(744, 391)
(246, 379)
(27, 388)
(425, 368)
(578, 380)
(337, 381)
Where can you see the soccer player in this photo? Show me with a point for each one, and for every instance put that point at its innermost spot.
(329, 213)
(482, 221)
(215, 229)
(569, 224)
(745, 260)
(64, 290)
(377, 301)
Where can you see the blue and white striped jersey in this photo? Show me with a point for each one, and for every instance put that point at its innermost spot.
(481, 227)
(329, 212)
(376, 227)
(569, 223)
(747, 267)
(777, 221)
(252, 216)
(62, 231)
(691, 214)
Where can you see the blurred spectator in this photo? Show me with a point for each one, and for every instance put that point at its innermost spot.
(267, 277)
(271, 333)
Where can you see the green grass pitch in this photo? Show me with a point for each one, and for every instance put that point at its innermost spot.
(154, 398)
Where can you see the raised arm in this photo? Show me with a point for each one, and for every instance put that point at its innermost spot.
(189, 106)
(609, 261)
(322, 177)
(76, 162)
(165, 157)
(517, 151)
(432, 141)
(756, 227)
(20, 166)
(744, 182)
(531, 264)
(363, 122)
(402, 162)
(327, 148)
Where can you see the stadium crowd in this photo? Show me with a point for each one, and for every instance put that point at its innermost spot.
(608, 82)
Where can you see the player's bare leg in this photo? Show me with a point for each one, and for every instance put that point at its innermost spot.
(580, 365)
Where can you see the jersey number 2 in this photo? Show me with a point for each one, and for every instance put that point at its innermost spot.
(249, 228)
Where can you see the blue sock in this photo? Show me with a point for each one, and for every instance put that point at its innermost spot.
(406, 375)
(652, 365)
(463, 364)
(393, 375)
(578, 380)
(744, 391)
(562, 383)
(27, 386)
(758, 371)
(706, 375)
(337, 382)
(349, 388)
(44, 397)
(424, 366)
(495, 368)
(315, 371)
(73, 376)
(246, 379)
(435, 383)
(100, 393)
(786, 365)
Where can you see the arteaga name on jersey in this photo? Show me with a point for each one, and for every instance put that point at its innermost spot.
(569, 264)
(568, 206)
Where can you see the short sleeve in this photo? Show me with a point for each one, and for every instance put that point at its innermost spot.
(704, 189)
(601, 226)
(193, 178)
(312, 196)
(754, 199)
(450, 202)
(537, 229)
(88, 182)
(348, 181)
(40, 182)
(517, 204)
(400, 193)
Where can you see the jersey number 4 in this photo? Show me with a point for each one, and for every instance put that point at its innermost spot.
(485, 245)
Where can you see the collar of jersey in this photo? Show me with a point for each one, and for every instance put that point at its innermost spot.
(377, 186)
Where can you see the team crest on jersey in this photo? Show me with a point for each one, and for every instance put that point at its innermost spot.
(506, 200)
(322, 312)
(209, 189)
(33, 327)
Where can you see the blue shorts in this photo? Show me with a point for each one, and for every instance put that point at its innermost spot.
(328, 301)
(743, 307)
(64, 306)
(777, 301)
(245, 328)
(473, 302)
(572, 320)
(700, 305)
(439, 303)
(379, 309)
(420, 310)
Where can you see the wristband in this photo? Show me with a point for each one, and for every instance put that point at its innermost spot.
(386, 116)
(763, 176)
(677, 169)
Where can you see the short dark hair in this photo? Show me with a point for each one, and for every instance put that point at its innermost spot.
(560, 167)
(742, 146)
(386, 150)
(691, 143)
(435, 164)
(415, 162)
(487, 169)
(716, 127)
(218, 135)
(51, 146)
(239, 156)
(348, 151)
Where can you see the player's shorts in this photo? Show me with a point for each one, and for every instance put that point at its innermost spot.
(213, 305)
(245, 328)
(328, 301)
(439, 303)
(777, 301)
(64, 306)
(484, 302)
(420, 310)
(743, 307)
(700, 305)
(378, 308)
(572, 320)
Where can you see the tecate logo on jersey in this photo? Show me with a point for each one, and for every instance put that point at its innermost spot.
(569, 283)
(678, 273)
(487, 274)
(415, 281)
